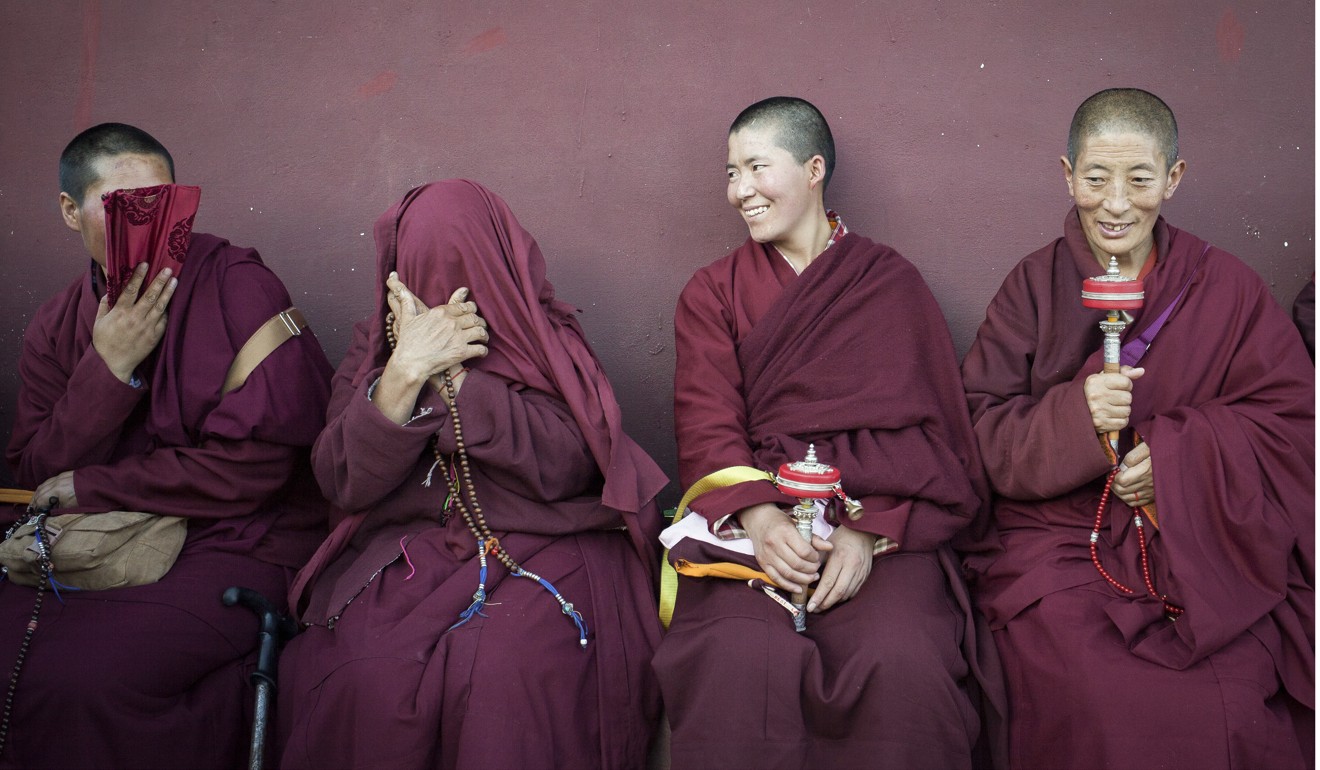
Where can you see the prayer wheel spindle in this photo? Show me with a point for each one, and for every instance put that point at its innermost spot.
(808, 480)
(1113, 293)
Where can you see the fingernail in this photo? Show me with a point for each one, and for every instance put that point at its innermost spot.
(811, 607)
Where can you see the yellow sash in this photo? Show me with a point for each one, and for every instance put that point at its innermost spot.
(725, 477)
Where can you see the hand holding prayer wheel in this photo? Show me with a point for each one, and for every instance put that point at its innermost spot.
(1109, 394)
(808, 480)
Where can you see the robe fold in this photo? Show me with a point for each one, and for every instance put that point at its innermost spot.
(155, 676)
(378, 678)
(854, 357)
(1226, 406)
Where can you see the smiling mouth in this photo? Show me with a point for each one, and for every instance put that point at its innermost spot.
(1114, 228)
(755, 212)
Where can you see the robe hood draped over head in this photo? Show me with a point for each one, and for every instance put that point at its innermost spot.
(454, 233)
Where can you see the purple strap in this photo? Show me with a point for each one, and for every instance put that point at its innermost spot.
(1133, 350)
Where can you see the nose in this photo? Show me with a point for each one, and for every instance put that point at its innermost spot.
(742, 188)
(1116, 197)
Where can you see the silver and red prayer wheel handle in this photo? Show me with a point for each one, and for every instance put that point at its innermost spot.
(808, 480)
(1113, 293)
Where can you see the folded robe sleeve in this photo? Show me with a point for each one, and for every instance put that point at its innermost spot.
(65, 419)
(710, 412)
(524, 441)
(1033, 447)
(244, 450)
(227, 456)
(1229, 474)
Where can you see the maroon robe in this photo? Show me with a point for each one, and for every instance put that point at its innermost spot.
(154, 676)
(853, 356)
(1303, 312)
(378, 679)
(1097, 678)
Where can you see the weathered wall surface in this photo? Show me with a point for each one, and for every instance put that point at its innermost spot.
(602, 124)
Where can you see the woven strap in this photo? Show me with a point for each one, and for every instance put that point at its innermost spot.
(725, 477)
(275, 332)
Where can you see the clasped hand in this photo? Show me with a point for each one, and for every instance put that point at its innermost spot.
(124, 335)
(793, 564)
(430, 341)
(1135, 481)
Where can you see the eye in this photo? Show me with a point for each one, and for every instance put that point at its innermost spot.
(758, 166)
(1095, 179)
(732, 175)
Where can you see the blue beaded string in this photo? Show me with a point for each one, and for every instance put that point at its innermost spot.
(39, 534)
(478, 598)
(565, 606)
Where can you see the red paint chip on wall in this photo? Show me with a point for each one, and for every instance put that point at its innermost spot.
(1230, 35)
(485, 41)
(379, 84)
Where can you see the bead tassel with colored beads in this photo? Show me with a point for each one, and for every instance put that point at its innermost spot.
(478, 598)
(476, 521)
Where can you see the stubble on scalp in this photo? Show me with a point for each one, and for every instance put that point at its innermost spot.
(1125, 110)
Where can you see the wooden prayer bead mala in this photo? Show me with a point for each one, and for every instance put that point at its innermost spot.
(475, 518)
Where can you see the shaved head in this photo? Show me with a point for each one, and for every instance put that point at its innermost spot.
(1120, 110)
(800, 128)
(77, 162)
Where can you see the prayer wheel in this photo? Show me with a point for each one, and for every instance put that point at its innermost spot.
(1113, 293)
(808, 480)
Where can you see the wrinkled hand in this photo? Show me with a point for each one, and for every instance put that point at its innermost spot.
(1109, 397)
(127, 333)
(787, 559)
(60, 486)
(846, 569)
(433, 340)
(1135, 482)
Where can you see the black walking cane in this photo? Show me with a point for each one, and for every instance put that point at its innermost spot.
(276, 629)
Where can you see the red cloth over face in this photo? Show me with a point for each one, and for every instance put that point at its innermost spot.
(147, 224)
(456, 233)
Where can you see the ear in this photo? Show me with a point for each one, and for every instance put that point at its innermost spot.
(815, 170)
(71, 212)
(1067, 174)
(1175, 176)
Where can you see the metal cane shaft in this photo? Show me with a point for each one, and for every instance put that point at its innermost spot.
(259, 721)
